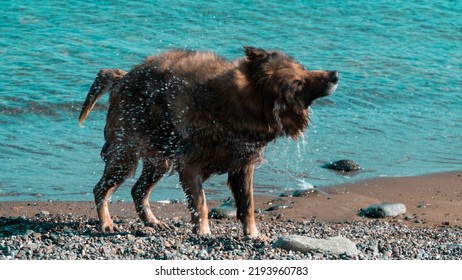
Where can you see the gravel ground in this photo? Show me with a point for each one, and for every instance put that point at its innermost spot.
(70, 237)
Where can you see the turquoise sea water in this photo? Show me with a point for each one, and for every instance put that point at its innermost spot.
(397, 110)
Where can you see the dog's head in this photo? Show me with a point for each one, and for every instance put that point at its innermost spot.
(288, 88)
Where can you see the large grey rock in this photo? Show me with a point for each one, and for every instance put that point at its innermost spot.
(332, 245)
(383, 210)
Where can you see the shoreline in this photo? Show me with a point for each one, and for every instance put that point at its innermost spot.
(431, 200)
(430, 229)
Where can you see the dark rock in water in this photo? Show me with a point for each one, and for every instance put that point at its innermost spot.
(331, 245)
(383, 210)
(279, 206)
(343, 165)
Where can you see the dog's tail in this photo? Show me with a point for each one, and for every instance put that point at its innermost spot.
(104, 82)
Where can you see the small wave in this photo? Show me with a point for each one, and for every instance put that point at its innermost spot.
(10, 148)
(48, 109)
(10, 194)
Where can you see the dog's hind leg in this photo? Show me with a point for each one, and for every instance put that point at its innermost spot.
(241, 184)
(191, 181)
(153, 170)
(119, 166)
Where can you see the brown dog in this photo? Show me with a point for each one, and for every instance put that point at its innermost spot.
(200, 115)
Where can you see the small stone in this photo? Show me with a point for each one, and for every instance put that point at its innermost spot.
(259, 211)
(285, 195)
(44, 213)
(202, 254)
(278, 201)
(31, 246)
(451, 246)
(318, 256)
(223, 212)
(383, 210)
(303, 193)
(21, 254)
(279, 206)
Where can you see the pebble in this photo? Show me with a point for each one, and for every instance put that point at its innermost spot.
(278, 201)
(45, 238)
(383, 210)
(303, 193)
(223, 212)
(279, 206)
(227, 210)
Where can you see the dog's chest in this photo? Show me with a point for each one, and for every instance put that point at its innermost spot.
(221, 154)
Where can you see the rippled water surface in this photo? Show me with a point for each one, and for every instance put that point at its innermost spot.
(397, 110)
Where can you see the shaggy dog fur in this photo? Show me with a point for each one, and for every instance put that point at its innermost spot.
(200, 115)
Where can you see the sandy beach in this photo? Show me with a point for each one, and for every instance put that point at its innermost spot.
(433, 212)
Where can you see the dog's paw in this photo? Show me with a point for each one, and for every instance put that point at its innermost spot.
(158, 225)
(202, 230)
(111, 228)
(262, 238)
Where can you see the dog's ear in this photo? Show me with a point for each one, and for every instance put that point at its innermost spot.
(256, 54)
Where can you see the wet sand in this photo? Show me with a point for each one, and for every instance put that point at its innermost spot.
(431, 200)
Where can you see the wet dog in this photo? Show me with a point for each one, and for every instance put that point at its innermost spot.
(199, 114)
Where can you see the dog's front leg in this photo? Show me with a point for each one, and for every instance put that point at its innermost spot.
(241, 184)
(191, 181)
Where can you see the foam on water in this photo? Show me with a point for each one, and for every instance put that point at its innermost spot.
(397, 110)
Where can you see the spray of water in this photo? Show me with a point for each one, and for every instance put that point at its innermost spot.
(307, 186)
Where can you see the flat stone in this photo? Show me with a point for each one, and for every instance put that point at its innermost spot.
(331, 245)
(259, 211)
(278, 201)
(45, 213)
(279, 206)
(451, 246)
(223, 212)
(303, 193)
(383, 210)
